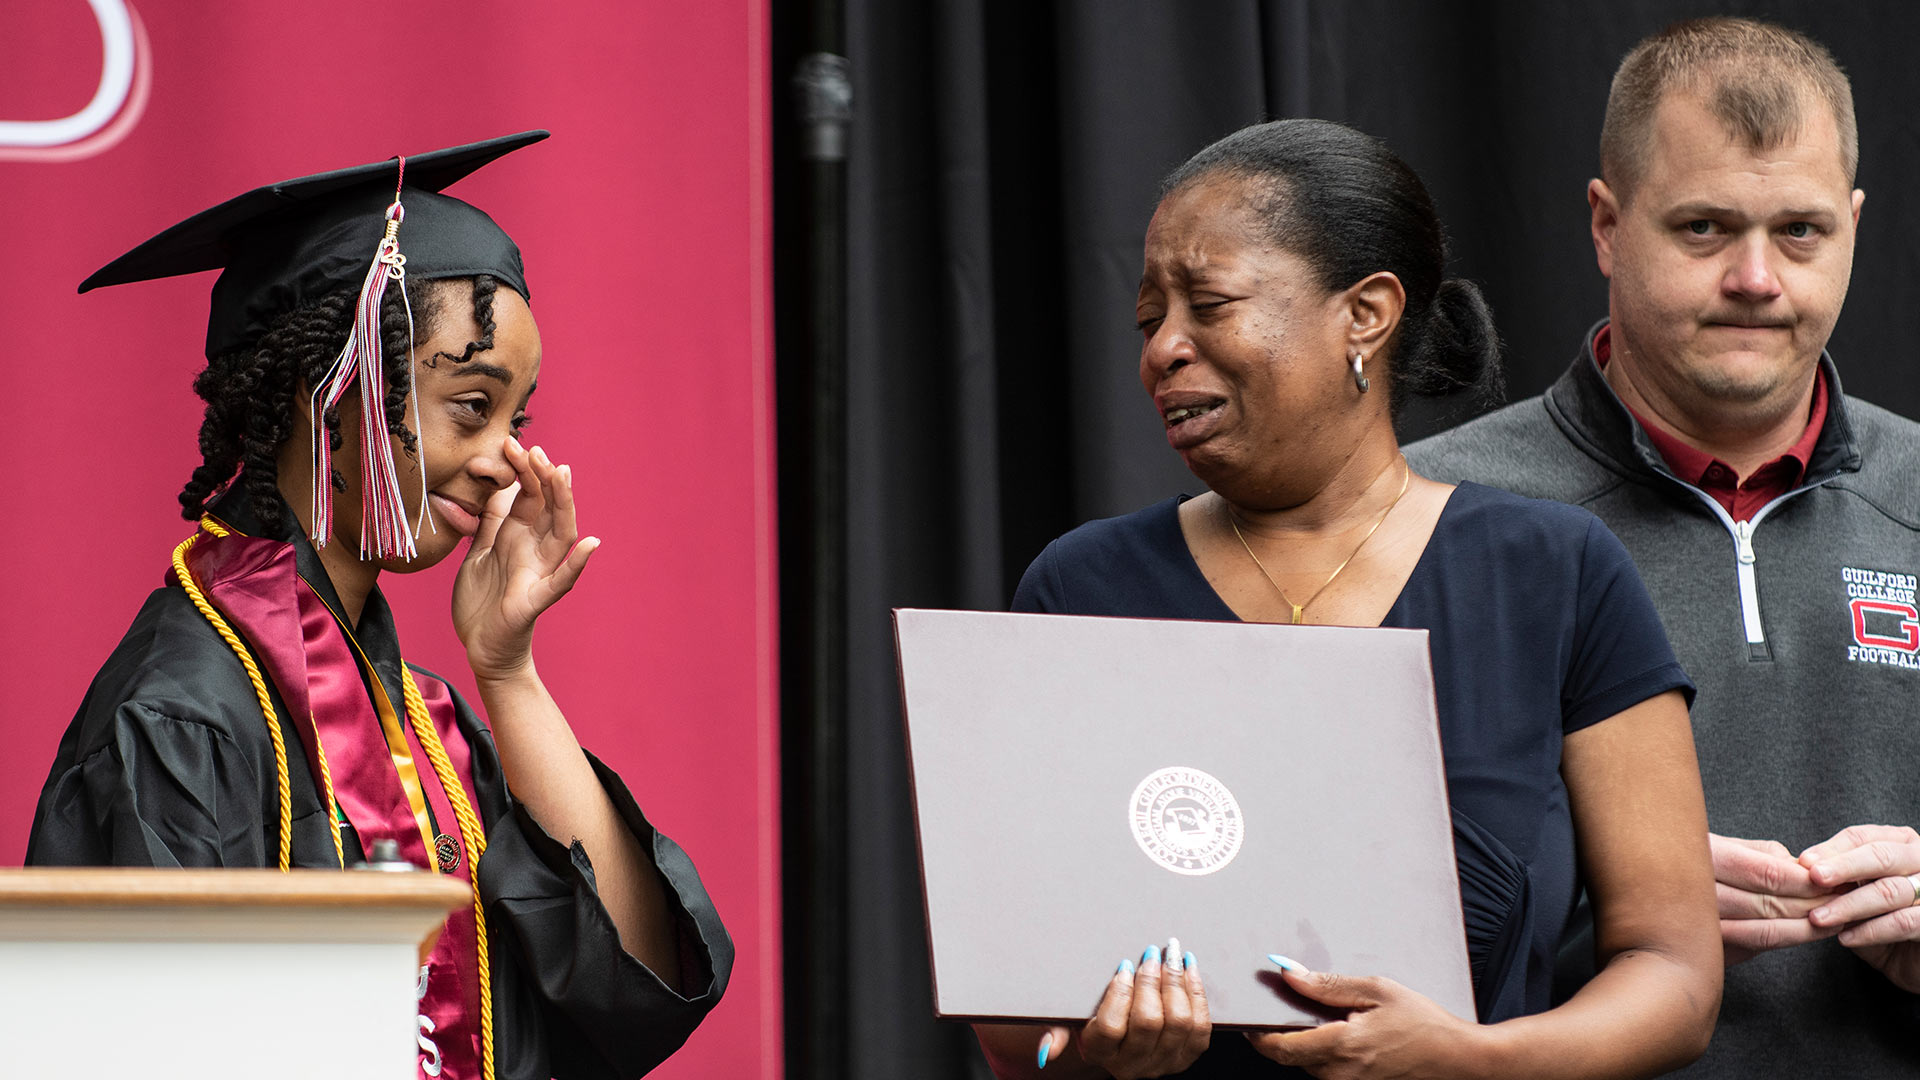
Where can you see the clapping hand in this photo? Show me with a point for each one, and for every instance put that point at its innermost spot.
(526, 554)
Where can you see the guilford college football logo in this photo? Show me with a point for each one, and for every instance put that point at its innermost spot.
(1186, 820)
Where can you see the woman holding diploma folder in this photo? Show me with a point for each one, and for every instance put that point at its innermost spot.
(1293, 294)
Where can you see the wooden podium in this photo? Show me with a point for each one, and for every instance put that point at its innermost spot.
(211, 974)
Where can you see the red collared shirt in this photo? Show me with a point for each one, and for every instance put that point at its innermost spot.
(1716, 477)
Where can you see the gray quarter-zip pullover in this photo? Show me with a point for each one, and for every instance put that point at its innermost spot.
(1801, 630)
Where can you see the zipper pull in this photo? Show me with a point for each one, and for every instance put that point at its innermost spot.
(1743, 535)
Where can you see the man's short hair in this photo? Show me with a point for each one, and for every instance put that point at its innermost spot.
(1754, 76)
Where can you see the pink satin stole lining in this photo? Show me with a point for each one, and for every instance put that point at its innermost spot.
(313, 661)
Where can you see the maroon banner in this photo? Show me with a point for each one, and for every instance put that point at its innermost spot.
(644, 223)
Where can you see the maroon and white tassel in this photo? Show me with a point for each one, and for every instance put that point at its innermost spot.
(383, 519)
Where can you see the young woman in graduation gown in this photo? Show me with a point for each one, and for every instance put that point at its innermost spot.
(259, 712)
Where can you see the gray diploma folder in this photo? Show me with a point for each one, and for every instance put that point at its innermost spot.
(1084, 787)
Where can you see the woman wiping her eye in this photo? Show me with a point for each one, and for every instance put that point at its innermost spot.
(371, 357)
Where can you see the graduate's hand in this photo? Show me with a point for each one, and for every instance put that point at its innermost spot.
(526, 554)
(1878, 914)
(1150, 1022)
(1390, 1031)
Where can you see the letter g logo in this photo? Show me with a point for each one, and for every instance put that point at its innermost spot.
(1902, 619)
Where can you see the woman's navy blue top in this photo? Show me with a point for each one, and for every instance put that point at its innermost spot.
(1538, 626)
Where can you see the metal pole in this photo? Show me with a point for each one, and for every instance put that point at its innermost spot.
(824, 97)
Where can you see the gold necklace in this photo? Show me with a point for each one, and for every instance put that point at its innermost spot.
(1300, 610)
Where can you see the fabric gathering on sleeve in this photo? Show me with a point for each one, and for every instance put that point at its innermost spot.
(161, 770)
(570, 1001)
(604, 1013)
(159, 791)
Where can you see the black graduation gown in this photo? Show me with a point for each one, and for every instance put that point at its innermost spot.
(168, 763)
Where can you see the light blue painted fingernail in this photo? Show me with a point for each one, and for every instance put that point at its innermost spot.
(1151, 956)
(1126, 967)
(1189, 960)
(1046, 1046)
(1290, 965)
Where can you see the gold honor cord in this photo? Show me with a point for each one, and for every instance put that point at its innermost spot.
(471, 834)
(253, 675)
(475, 840)
(332, 808)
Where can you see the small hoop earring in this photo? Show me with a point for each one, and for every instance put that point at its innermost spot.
(1359, 379)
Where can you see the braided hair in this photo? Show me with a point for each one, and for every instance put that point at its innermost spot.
(250, 391)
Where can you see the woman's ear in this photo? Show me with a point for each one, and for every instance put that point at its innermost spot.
(1373, 306)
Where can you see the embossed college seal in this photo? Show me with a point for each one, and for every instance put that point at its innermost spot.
(1186, 820)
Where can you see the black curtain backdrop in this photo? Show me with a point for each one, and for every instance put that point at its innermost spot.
(1004, 161)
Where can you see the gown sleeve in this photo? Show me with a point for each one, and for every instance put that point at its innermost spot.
(168, 763)
(153, 790)
(570, 1003)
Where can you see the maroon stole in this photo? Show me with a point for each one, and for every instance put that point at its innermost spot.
(382, 780)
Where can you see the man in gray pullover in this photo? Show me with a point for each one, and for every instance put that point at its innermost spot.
(1775, 519)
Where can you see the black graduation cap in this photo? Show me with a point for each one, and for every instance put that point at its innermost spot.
(290, 243)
